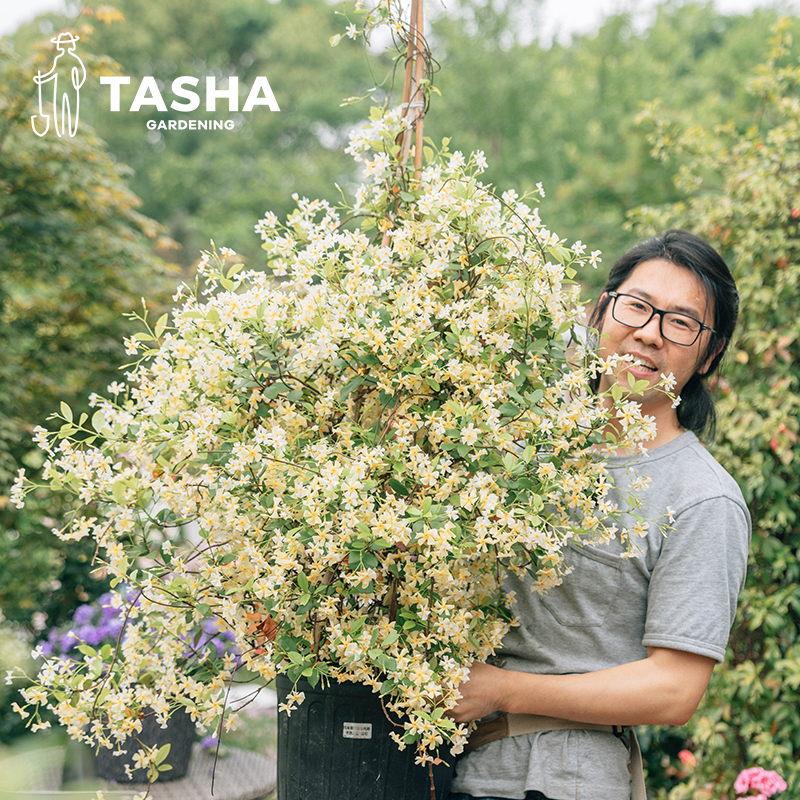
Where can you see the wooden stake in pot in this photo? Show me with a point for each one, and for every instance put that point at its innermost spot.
(417, 58)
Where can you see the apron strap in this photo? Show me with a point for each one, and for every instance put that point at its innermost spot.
(505, 725)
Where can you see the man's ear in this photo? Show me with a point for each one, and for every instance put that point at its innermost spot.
(599, 301)
(706, 365)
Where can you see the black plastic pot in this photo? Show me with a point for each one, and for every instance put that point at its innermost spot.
(179, 733)
(336, 746)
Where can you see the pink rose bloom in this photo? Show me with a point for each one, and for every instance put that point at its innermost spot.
(765, 782)
(769, 782)
(746, 779)
(687, 757)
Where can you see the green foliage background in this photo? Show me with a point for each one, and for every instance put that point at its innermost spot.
(75, 256)
(606, 122)
(742, 191)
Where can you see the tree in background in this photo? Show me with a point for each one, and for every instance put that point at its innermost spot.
(565, 115)
(75, 256)
(743, 194)
(562, 114)
(220, 183)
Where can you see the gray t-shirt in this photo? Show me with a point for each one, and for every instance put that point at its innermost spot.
(679, 593)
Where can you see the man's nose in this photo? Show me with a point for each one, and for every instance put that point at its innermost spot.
(651, 332)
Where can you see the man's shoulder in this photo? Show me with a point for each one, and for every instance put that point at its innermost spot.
(686, 465)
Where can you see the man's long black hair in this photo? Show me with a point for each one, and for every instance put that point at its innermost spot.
(696, 410)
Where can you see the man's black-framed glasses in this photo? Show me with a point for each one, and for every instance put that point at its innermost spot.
(634, 312)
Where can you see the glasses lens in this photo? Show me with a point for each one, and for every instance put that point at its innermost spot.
(632, 311)
(636, 313)
(680, 328)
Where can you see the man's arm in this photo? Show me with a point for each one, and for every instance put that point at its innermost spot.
(662, 689)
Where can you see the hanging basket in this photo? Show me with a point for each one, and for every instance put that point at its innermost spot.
(336, 746)
(179, 734)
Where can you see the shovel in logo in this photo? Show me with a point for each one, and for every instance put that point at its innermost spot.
(67, 124)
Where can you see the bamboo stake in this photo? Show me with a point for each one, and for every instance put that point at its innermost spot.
(420, 72)
(413, 106)
(409, 62)
(413, 94)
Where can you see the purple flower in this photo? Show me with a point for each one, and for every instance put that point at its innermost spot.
(95, 624)
(99, 623)
(83, 614)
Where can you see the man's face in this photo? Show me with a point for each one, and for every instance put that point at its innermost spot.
(671, 288)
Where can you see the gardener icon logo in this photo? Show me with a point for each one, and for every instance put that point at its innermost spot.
(67, 124)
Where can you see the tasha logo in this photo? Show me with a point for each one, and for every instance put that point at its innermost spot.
(68, 102)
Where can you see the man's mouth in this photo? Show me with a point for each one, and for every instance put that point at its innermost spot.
(643, 365)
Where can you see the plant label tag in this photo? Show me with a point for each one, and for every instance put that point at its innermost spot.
(357, 730)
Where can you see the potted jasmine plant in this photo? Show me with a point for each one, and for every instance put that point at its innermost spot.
(100, 627)
(365, 434)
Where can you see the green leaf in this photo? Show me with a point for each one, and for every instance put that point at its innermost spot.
(161, 325)
(398, 487)
(66, 430)
(434, 384)
(99, 421)
(66, 412)
(118, 489)
(370, 560)
(350, 386)
(162, 753)
(234, 269)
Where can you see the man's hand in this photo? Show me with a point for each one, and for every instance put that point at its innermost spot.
(481, 693)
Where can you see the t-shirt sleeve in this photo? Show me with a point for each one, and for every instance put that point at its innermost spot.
(699, 573)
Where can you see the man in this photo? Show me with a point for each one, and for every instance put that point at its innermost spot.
(628, 641)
